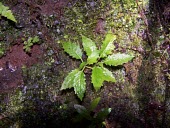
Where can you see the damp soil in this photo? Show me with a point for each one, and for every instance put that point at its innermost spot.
(11, 65)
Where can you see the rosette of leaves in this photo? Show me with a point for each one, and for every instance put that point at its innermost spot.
(4, 11)
(96, 59)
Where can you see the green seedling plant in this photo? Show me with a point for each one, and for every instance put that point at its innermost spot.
(5, 12)
(96, 59)
(30, 42)
(91, 118)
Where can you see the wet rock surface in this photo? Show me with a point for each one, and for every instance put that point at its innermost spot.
(10, 78)
(30, 95)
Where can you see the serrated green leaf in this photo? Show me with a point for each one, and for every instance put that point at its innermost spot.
(107, 46)
(94, 103)
(117, 59)
(90, 49)
(29, 40)
(10, 16)
(35, 39)
(27, 49)
(73, 50)
(93, 57)
(25, 42)
(88, 45)
(69, 80)
(75, 79)
(6, 13)
(82, 65)
(99, 75)
(30, 44)
(3, 8)
(79, 84)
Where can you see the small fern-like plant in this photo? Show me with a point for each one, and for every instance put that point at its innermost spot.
(30, 42)
(96, 59)
(4, 11)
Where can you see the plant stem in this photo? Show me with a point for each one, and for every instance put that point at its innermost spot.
(81, 60)
(88, 67)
